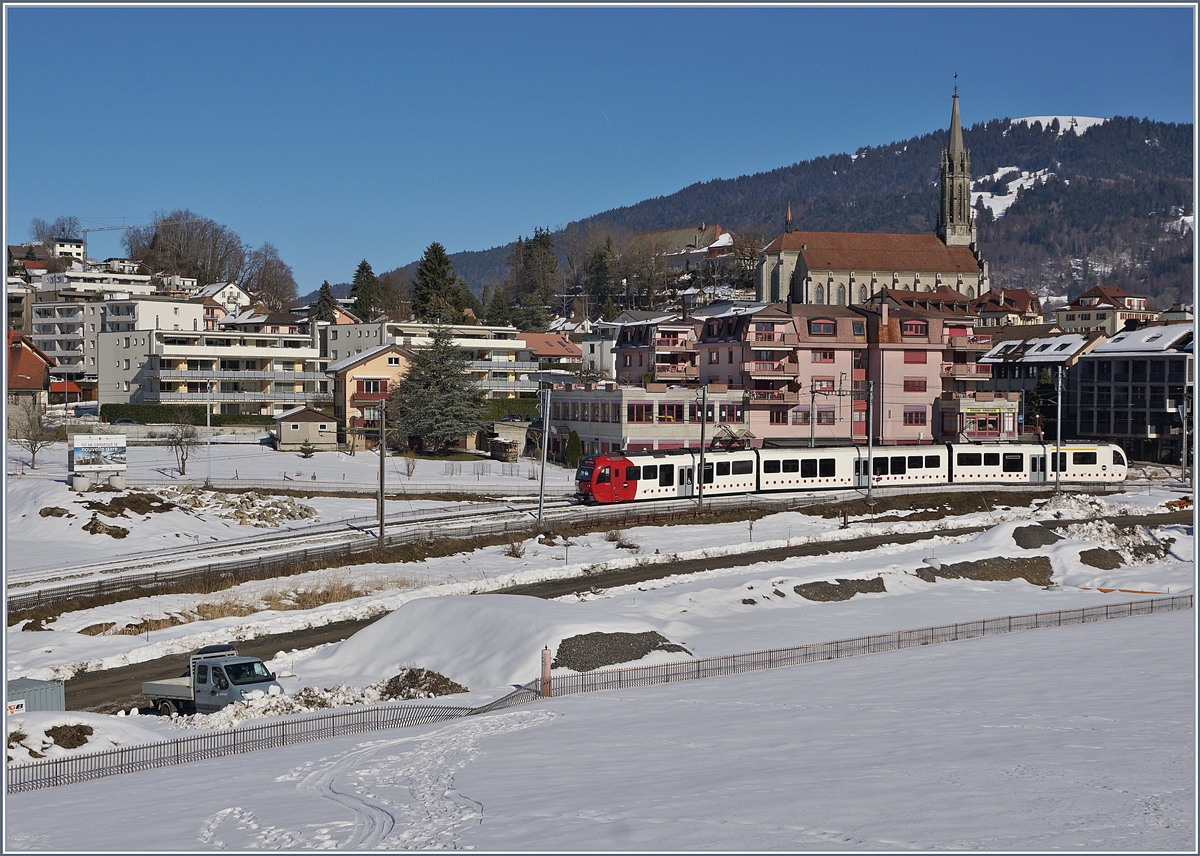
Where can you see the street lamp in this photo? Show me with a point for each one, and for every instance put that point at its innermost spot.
(703, 402)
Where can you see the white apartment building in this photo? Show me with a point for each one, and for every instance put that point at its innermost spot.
(237, 372)
(69, 323)
(94, 280)
(492, 352)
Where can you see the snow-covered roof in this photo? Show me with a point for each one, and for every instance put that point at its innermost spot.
(1146, 340)
(1047, 349)
(725, 239)
(368, 354)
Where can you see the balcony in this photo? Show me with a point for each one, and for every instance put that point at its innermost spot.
(673, 345)
(213, 374)
(771, 368)
(503, 365)
(967, 370)
(248, 397)
(777, 338)
(971, 343)
(771, 396)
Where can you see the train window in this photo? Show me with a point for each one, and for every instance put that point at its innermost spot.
(1061, 462)
(791, 466)
(1118, 458)
(898, 465)
(650, 471)
(808, 468)
(879, 467)
(969, 459)
(743, 468)
(932, 462)
(723, 468)
(828, 467)
(666, 475)
(991, 459)
(1014, 462)
(916, 462)
(604, 477)
(633, 473)
(1084, 458)
(708, 473)
(770, 466)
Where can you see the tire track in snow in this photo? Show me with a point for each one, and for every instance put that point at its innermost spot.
(402, 799)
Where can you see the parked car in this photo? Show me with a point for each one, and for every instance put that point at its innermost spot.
(512, 417)
(126, 422)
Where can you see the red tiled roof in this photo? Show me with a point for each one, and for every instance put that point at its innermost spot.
(875, 252)
(66, 386)
(551, 345)
(1014, 299)
(26, 364)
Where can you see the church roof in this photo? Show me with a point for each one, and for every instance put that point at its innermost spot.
(956, 138)
(875, 252)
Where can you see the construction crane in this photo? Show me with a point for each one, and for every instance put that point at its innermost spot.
(122, 228)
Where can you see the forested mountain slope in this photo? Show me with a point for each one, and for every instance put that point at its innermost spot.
(1105, 206)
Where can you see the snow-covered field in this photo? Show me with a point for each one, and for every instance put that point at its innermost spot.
(1066, 738)
(58, 654)
(1075, 737)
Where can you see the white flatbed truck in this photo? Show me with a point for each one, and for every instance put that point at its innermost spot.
(216, 676)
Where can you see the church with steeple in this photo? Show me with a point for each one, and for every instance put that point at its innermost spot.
(843, 268)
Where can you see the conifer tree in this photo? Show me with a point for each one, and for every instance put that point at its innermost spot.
(438, 401)
(434, 285)
(497, 311)
(326, 304)
(366, 291)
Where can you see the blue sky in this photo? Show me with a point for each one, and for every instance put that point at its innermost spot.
(343, 133)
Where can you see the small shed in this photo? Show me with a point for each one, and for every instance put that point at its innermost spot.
(37, 695)
(295, 427)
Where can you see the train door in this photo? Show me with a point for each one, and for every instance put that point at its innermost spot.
(685, 481)
(623, 488)
(1037, 468)
(602, 485)
(860, 471)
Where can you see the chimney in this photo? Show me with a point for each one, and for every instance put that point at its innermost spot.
(883, 315)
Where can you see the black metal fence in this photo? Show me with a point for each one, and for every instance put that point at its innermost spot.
(250, 738)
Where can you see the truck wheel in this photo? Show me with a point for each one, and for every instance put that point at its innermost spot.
(167, 708)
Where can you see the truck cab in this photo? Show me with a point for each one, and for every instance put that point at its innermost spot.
(216, 676)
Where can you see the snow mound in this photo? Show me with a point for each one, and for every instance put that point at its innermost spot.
(409, 684)
(1136, 545)
(32, 736)
(482, 641)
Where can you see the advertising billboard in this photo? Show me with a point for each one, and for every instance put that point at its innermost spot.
(92, 453)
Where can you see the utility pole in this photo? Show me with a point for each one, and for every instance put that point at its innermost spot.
(544, 408)
(870, 433)
(812, 414)
(208, 425)
(1058, 434)
(382, 460)
(703, 419)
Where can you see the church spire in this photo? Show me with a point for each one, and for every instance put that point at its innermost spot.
(787, 220)
(955, 224)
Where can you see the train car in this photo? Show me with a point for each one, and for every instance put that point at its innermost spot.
(808, 469)
(634, 476)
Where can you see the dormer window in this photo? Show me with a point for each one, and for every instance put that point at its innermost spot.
(914, 328)
(822, 327)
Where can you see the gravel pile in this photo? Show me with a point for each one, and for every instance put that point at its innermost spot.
(595, 650)
(1035, 569)
(840, 590)
(1032, 537)
(1105, 560)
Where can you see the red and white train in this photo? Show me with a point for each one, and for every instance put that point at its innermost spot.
(633, 476)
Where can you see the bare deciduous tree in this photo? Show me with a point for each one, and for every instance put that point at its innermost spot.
(183, 439)
(184, 243)
(269, 278)
(29, 427)
(63, 227)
